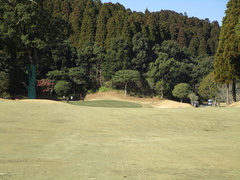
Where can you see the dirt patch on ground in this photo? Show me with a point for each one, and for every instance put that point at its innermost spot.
(1, 99)
(236, 104)
(153, 102)
(39, 100)
(31, 100)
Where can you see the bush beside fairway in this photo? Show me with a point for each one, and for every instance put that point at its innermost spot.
(60, 141)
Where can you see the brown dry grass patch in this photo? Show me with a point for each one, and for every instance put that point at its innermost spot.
(153, 102)
(236, 104)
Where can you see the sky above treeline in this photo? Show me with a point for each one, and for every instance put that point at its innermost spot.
(214, 10)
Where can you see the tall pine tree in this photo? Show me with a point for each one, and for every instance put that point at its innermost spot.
(88, 28)
(101, 32)
(227, 63)
(76, 18)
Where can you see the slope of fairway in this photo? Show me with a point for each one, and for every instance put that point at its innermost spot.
(61, 141)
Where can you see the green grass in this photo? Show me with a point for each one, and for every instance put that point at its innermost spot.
(107, 103)
(41, 140)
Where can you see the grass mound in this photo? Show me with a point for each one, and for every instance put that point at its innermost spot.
(108, 103)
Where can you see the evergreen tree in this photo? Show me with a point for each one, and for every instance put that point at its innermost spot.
(214, 35)
(237, 28)
(88, 28)
(174, 50)
(28, 28)
(126, 32)
(227, 64)
(76, 18)
(62, 88)
(200, 34)
(115, 26)
(206, 28)
(153, 29)
(66, 9)
(90, 58)
(203, 66)
(182, 40)
(208, 88)
(4, 83)
(119, 22)
(126, 78)
(111, 33)
(160, 88)
(57, 8)
(193, 46)
(101, 32)
(136, 20)
(117, 57)
(174, 31)
(99, 54)
(211, 46)
(63, 56)
(181, 90)
(203, 48)
(163, 69)
(141, 50)
(98, 5)
(107, 37)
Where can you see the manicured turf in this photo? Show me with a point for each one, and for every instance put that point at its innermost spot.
(52, 140)
(107, 103)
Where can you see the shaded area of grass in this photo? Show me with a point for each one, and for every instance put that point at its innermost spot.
(107, 103)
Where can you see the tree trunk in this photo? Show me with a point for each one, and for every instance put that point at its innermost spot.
(31, 81)
(125, 90)
(227, 95)
(161, 94)
(234, 91)
(32, 68)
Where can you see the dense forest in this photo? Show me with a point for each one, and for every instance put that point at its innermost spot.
(65, 47)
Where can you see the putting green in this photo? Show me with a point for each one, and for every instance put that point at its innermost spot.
(107, 103)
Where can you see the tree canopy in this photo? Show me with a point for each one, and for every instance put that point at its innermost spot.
(87, 43)
(28, 31)
(125, 77)
(228, 53)
(181, 90)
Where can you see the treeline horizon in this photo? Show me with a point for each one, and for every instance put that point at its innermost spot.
(85, 43)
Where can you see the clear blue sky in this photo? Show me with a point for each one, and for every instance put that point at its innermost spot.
(212, 9)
